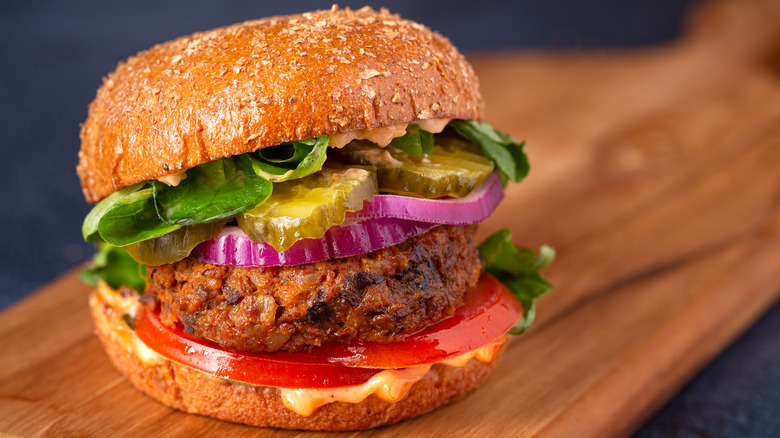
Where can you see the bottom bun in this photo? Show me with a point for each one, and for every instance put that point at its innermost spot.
(192, 391)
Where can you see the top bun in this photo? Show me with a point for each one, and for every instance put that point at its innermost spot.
(259, 83)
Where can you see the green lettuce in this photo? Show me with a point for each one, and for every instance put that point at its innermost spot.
(415, 142)
(114, 266)
(505, 151)
(133, 218)
(518, 269)
(90, 226)
(212, 191)
(290, 160)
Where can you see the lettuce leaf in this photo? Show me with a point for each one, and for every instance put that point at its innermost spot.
(505, 151)
(415, 142)
(518, 269)
(133, 218)
(114, 266)
(212, 191)
(291, 160)
(90, 226)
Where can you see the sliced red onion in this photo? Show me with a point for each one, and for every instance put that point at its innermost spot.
(233, 247)
(386, 221)
(471, 209)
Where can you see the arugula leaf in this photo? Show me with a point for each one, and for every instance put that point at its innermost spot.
(132, 219)
(505, 151)
(212, 191)
(90, 226)
(114, 266)
(415, 142)
(290, 160)
(518, 269)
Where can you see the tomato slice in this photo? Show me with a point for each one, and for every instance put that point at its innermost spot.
(488, 311)
(283, 370)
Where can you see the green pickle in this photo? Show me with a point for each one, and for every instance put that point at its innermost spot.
(175, 245)
(451, 169)
(306, 208)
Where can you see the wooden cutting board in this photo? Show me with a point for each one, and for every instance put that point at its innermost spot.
(656, 175)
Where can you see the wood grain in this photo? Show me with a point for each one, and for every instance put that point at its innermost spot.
(655, 174)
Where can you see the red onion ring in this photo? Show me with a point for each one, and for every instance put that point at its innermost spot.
(386, 221)
(471, 209)
(233, 247)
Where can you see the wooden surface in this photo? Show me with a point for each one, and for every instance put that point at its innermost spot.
(656, 175)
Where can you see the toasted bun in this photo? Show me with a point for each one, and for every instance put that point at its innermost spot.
(260, 83)
(192, 391)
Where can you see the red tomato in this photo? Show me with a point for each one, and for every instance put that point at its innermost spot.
(488, 311)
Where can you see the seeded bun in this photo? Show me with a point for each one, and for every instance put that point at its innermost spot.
(192, 391)
(259, 83)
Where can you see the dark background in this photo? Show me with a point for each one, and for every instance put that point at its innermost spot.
(53, 55)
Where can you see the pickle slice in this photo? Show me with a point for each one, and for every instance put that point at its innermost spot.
(174, 246)
(305, 208)
(449, 170)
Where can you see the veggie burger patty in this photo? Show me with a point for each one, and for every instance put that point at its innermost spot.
(377, 297)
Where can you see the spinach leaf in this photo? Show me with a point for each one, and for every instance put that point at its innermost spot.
(90, 226)
(518, 269)
(505, 151)
(290, 160)
(415, 142)
(211, 191)
(114, 266)
(133, 218)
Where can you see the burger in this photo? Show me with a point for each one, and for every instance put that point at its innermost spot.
(284, 214)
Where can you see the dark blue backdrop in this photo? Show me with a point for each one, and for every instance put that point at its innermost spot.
(54, 54)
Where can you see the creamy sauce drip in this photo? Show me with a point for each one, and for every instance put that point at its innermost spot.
(121, 305)
(173, 179)
(384, 135)
(389, 385)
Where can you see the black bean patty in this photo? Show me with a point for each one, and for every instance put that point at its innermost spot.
(377, 297)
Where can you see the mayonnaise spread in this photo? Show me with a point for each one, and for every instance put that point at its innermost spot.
(384, 135)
